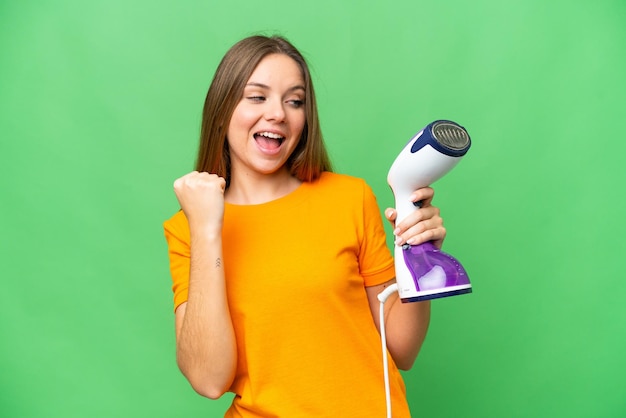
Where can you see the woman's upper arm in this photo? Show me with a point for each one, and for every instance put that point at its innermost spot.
(180, 316)
(372, 297)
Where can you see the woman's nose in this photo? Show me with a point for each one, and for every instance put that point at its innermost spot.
(275, 111)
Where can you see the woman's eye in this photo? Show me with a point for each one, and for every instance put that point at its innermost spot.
(296, 103)
(256, 99)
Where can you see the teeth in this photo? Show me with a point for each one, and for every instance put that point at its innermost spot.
(270, 135)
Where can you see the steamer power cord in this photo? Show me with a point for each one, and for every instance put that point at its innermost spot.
(382, 297)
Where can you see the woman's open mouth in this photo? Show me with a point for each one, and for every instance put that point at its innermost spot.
(269, 141)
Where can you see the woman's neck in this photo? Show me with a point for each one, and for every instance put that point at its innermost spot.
(255, 190)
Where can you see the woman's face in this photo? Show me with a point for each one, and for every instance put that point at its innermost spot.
(267, 123)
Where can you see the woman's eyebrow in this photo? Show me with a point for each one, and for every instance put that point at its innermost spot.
(266, 87)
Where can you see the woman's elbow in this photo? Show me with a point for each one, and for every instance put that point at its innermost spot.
(405, 364)
(212, 387)
(405, 358)
(209, 391)
(209, 388)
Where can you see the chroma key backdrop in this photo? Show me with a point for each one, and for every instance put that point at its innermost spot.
(100, 107)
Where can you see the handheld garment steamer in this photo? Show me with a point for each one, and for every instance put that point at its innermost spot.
(423, 271)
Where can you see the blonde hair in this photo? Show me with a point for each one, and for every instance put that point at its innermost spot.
(308, 160)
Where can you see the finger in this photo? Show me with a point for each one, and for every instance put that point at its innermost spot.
(416, 217)
(417, 225)
(180, 182)
(391, 215)
(430, 236)
(428, 230)
(435, 234)
(424, 195)
(221, 183)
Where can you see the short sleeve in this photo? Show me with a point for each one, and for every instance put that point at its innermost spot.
(375, 259)
(177, 236)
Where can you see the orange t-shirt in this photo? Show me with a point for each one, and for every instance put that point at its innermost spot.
(296, 270)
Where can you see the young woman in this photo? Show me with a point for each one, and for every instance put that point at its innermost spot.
(277, 261)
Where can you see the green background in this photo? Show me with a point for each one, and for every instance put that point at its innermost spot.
(100, 106)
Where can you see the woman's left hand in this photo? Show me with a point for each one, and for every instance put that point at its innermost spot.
(425, 224)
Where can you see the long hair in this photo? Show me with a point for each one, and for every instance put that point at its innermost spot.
(308, 160)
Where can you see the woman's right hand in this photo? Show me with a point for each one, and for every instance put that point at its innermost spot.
(201, 197)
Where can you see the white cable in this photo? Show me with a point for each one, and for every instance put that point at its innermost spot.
(382, 297)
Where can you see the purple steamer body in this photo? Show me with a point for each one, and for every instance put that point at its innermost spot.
(428, 265)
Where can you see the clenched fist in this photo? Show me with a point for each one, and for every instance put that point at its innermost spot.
(201, 197)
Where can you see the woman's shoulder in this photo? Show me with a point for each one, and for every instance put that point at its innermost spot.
(340, 179)
(341, 186)
(177, 224)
